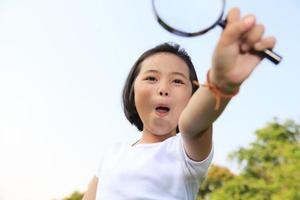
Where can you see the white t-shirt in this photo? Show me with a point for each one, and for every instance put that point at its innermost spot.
(153, 171)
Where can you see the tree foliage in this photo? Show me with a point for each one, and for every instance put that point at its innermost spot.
(270, 166)
(74, 196)
(217, 176)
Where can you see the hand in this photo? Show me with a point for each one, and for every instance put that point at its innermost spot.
(233, 59)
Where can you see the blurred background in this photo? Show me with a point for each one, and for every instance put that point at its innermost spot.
(63, 64)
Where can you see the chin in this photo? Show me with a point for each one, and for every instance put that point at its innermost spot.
(161, 131)
(161, 127)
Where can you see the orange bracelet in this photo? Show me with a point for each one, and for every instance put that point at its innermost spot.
(218, 94)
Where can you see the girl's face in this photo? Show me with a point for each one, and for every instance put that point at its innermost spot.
(162, 89)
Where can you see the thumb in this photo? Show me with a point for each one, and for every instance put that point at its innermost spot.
(236, 29)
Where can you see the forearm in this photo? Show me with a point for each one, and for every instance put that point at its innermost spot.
(200, 112)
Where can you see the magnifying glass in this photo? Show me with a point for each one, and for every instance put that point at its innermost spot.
(189, 18)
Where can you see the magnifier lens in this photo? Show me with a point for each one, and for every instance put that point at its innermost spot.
(195, 17)
(189, 15)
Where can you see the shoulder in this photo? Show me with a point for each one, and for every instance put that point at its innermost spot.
(110, 154)
(115, 148)
(204, 163)
(175, 148)
(176, 145)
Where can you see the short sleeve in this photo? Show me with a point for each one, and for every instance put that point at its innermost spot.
(197, 169)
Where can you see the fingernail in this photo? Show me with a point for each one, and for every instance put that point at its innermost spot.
(249, 20)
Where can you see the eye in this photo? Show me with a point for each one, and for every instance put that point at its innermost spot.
(178, 81)
(151, 78)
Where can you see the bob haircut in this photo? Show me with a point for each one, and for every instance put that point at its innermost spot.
(128, 90)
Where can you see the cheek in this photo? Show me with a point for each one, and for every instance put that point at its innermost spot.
(183, 101)
(141, 97)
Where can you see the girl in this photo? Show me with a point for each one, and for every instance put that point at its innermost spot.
(161, 98)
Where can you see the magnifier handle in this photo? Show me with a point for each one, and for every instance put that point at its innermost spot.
(223, 23)
(270, 55)
(267, 53)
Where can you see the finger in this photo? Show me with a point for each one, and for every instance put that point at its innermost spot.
(234, 31)
(252, 37)
(265, 43)
(233, 15)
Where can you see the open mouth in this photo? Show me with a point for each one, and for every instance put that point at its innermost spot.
(162, 109)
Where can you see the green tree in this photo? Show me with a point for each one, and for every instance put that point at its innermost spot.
(74, 196)
(217, 176)
(270, 166)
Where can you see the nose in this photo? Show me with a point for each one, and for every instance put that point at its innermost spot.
(163, 89)
(163, 93)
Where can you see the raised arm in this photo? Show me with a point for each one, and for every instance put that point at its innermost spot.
(233, 62)
(90, 194)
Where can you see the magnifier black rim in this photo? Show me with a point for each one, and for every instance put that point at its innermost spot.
(184, 33)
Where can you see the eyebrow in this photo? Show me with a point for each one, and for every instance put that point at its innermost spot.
(173, 73)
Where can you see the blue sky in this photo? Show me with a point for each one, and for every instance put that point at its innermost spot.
(62, 68)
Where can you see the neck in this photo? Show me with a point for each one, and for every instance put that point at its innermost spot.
(149, 137)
